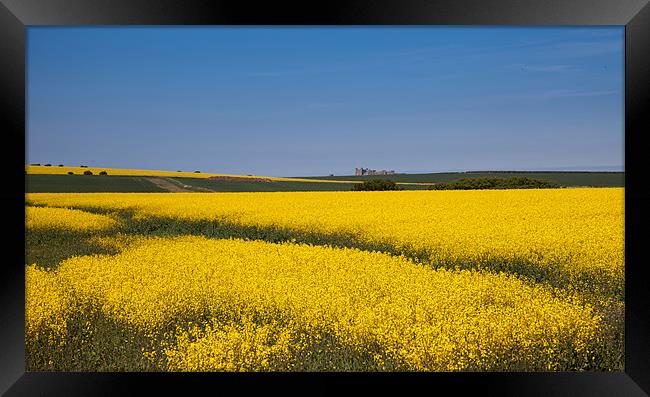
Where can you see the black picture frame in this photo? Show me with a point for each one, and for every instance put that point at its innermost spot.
(16, 15)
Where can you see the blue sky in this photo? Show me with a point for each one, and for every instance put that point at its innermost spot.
(314, 101)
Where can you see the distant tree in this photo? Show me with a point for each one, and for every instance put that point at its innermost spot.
(48, 165)
(376, 184)
(197, 172)
(88, 172)
(103, 173)
(83, 166)
(70, 173)
(35, 164)
(60, 165)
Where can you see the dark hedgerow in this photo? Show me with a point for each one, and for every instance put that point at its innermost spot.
(197, 172)
(88, 172)
(70, 173)
(103, 173)
(376, 184)
(48, 165)
(496, 183)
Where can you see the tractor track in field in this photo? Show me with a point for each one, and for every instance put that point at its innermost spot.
(175, 186)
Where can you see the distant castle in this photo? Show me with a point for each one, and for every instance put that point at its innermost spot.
(368, 171)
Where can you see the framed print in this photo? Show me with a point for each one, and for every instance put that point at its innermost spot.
(368, 195)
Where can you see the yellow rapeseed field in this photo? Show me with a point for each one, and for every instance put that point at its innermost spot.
(466, 280)
(575, 236)
(408, 316)
(44, 218)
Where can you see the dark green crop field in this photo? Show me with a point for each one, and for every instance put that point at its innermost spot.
(256, 186)
(39, 183)
(87, 183)
(595, 179)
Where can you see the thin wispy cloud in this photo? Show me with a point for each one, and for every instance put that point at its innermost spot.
(563, 49)
(586, 48)
(460, 51)
(600, 33)
(514, 46)
(434, 49)
(544, 68)
(550, 47)
(553, 94)
(431, 115)
(327, 67)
